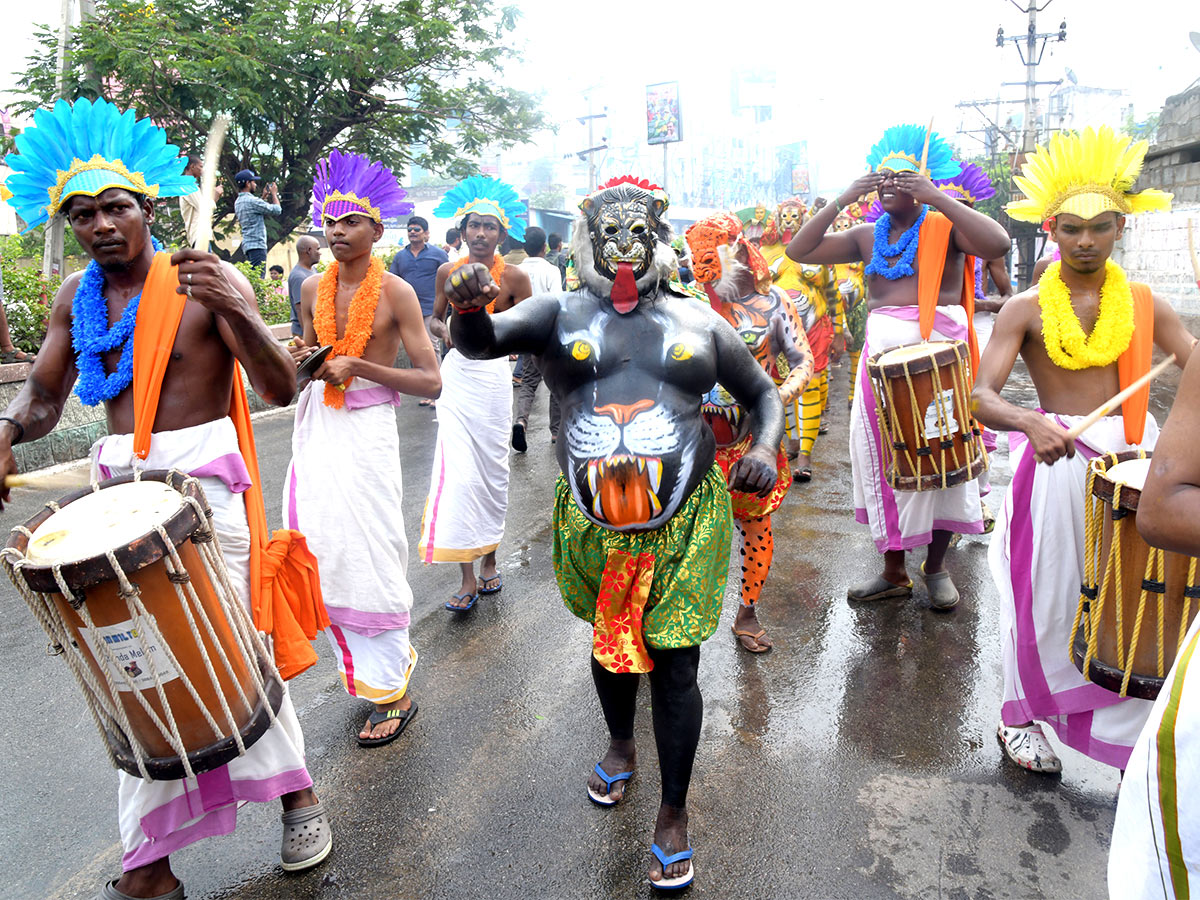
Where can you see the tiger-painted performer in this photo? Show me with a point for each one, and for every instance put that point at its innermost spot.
(642, 522)
(738, 284)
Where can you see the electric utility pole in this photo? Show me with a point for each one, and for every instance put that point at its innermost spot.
(1030, 46)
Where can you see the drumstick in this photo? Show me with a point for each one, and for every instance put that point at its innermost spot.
(62, 479)
(1109, 405)
(925, 149)
(1192, 254)
(208, 177)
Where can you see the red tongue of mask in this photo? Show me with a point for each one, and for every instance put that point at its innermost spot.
(624, 289)
(713, 300)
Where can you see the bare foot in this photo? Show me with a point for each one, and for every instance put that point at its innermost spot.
(621, 757)
(151, 880)
(670, 833)
(389, 726)
(750, 633)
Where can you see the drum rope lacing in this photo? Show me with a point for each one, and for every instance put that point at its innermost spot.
(105, 712)
(1094, 591)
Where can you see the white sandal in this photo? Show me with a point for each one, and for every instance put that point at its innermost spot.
(1029, 748)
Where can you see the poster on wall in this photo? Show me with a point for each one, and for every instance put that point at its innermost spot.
(662, 113)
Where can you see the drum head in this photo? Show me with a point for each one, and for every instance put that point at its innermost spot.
(103, 521)
(1130, 473)
(913, 351)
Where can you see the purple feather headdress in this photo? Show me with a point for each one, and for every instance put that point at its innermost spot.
(349, 184)
(970, 185)
(874, 211)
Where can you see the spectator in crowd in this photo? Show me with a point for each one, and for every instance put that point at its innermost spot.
(418, 264)
(513, 252)
(308, 254)
(557, 257)
(250, 211)
(194, 206)
(454, 245)
(544, 278)
(275, 273)
(8, 352)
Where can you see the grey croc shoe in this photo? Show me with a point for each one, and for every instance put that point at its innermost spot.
(943, 595)
(307, 838)
(110, 892)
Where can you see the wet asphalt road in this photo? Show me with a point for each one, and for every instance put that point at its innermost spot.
(858, 759)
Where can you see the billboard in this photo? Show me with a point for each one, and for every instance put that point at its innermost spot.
(662, 113)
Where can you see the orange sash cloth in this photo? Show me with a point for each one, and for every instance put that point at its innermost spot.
(1135, 362)
(285, 589)
(932, 244)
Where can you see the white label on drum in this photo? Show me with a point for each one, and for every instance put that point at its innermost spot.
(131, 653)
(935, 426)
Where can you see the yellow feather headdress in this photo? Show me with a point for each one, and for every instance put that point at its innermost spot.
(1085, 175)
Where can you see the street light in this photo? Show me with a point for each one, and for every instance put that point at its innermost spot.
(1000, 36)
(1062, 30)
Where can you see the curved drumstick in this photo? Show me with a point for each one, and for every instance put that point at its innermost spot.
(208, 177)
(1192, 254)
(1109, 405)
(51, 481)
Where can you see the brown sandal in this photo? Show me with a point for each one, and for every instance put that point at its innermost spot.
(754, 636)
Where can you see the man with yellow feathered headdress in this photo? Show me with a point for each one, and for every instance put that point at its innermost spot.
(1084, 332)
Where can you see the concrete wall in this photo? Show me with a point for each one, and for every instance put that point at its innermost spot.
(1155, 250)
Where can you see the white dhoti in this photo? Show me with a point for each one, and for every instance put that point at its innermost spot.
(344, 492)
(468, 491)
(1037, 559)
(159, 817)
(1156, 836)
(902, 520)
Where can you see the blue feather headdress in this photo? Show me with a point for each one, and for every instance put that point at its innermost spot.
(87, 148)
(349, 184)
(487, 197)
(970, 185)
(900, 150)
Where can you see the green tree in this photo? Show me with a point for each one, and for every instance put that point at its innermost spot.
(410, 81)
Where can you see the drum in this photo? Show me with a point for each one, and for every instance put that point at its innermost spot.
(128, 582)
(1136, 601)
(922, 394)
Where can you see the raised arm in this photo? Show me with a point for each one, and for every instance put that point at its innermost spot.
(226, 293)
(525, 328)
(38, 406)
(1169, 510)
(740, 374)
(787, 336)
(812, 244)
(1169, 333)
(974, 233)
(1048, 441)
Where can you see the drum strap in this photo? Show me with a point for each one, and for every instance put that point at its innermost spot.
(1135, 362)
(932, 244)
(285, 590)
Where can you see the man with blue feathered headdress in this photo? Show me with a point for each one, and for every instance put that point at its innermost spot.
(642, 521)
(343, 487)
(920, 286)
(102, 169)
(468, 489)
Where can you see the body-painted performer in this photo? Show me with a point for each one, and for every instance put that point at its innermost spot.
(468, 490)
(739, 287)
(1155, 851)
(917, 278)
(642, 520)
(343, 487)
(851, 283)
(1083, 332)
(101, 169)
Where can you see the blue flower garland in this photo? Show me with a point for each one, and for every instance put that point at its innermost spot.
(91, 338)
(905, 248)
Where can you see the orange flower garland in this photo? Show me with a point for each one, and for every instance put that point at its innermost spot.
(497, 271)
(359, 319)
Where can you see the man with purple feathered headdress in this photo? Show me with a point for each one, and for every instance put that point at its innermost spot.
(343, 486)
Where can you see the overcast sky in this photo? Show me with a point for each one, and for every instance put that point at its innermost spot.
(847, 68)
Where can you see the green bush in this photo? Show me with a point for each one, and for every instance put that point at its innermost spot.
(27, 299)
(275, 308)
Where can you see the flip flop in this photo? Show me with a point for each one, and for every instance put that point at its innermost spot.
(879, 588)
(609, 781)
(378, 718)
(463, 596)
(498, 578)
(754, 635)
(802, 475)
(672, 884)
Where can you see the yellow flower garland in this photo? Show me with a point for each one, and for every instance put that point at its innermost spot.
(1066, 344)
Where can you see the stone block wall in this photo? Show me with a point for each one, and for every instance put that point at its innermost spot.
(1154, 249)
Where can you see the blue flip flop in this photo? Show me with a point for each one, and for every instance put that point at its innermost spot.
(609, 781)
(672, 884)
(463, 596)
(498, 578)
